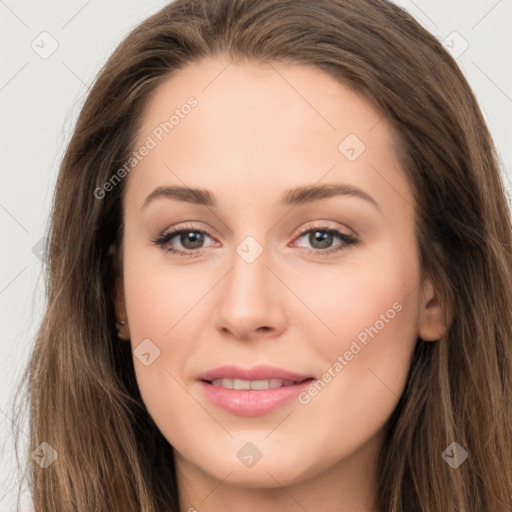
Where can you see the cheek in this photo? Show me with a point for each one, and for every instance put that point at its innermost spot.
(371, 312)
(159, 297)
(157, 301)
(372, 297)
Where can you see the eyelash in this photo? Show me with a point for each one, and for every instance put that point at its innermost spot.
(165, 238)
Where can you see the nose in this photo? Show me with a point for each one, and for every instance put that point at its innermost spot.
(251, 300)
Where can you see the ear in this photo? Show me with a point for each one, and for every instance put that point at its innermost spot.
(435, 316)
(123, 329)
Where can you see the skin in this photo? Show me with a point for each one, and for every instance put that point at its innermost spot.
(258, 130)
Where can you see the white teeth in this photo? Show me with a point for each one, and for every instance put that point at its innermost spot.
(241, 384)
(260, 384)
(226, 383)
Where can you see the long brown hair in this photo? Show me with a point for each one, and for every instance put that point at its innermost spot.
(81, 389)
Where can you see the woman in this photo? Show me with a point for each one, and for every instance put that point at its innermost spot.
(195, 354)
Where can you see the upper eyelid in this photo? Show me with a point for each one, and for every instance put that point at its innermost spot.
(186, 227)
(313, 224)
(325, 225)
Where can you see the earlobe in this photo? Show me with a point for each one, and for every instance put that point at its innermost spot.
(123, 329)
(435, 316)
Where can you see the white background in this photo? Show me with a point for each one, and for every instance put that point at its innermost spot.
(40, 99)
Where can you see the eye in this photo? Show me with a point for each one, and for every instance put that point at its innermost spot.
(191, 238)
(322, 238)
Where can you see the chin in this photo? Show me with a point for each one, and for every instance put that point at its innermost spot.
(260, 476)
(278, 465)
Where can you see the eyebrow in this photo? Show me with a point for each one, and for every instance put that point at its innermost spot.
(295, 196)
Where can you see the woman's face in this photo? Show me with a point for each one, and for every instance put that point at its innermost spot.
(297, 273)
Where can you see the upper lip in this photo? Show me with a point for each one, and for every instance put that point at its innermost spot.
(260, 372)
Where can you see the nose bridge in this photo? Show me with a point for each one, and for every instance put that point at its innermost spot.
(248, 281)
(248, 296)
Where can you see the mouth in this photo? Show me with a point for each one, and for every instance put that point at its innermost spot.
(252, 392)
(255, 385)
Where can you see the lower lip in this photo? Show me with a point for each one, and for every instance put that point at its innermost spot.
(252, 402)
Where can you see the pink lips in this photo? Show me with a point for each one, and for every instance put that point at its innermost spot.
(255, 373)
(252, 402)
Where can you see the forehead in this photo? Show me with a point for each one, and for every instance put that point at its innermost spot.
(256, 127)
(274, 95)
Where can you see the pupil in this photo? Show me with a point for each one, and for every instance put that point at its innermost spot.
(195, 238)
(323, 237)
